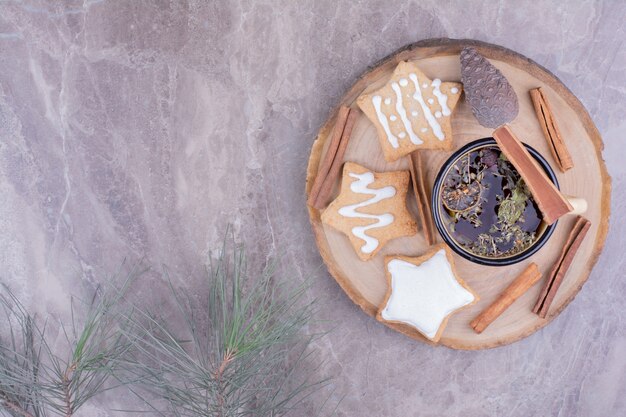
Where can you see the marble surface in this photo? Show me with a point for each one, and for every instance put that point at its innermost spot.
(133, 129)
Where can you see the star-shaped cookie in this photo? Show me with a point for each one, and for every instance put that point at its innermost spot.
(371, 208)
(424, 292)
(411, 111)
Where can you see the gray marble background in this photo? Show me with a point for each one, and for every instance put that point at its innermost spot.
(141, 128)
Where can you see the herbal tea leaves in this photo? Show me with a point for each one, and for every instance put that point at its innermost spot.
(512, 207)
(488, 205)
(462, 186)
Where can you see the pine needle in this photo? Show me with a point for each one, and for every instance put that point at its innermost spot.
(36, 381)
(238, 351)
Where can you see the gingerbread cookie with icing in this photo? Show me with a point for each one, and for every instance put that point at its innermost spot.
(424, 292)
(411, 111)
(371, 208)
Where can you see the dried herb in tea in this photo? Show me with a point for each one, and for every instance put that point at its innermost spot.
(490, 211)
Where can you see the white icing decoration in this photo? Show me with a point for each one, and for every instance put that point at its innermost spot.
(434, 125)
(361, 186)
(402, 112)
(424, 129)
(403, 82)
(414, 113)
(402, 135)
(437, 114)
(376, 101)
(424, 295)
(424, 85)
(431, 101)
(441, 98)
(387, 101)
(454, 90)
(393, 118)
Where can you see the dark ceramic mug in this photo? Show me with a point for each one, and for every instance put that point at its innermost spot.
(545, 230)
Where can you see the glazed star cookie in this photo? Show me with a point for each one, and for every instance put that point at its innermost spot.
(411, 111)
(371, 208)
(424, 292)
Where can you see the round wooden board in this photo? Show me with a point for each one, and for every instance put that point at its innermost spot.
(365, 282)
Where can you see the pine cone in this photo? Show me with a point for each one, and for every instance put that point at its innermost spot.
(488, 92)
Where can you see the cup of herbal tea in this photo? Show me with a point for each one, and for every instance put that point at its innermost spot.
(483, 209)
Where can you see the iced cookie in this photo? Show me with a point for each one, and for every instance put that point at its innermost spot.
(371, 208)
(411, 111)
(424, 292)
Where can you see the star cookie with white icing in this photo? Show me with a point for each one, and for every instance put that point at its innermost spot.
(371, 208)
(412, 111)
(424, 292)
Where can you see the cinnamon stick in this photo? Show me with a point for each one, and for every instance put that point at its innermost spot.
(551, 129)
(560, 267)
(421, 196)
(515, 290)
(333, 158)
(551, 202)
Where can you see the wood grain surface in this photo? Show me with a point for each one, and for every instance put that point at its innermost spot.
(365, 283)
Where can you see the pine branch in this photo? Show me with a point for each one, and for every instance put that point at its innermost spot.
(219, 373)
(19, 360)
(13, 407)
(67, 394)
(35, 380)
(238, 351)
